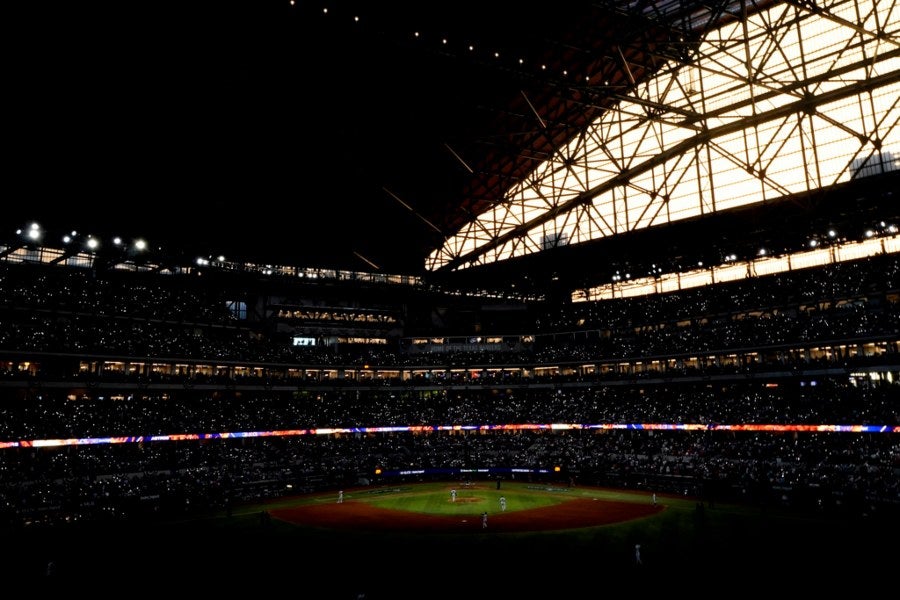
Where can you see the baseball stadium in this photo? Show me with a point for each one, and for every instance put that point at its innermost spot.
(368, 300)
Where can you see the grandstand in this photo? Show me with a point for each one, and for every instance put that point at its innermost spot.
(686, 282)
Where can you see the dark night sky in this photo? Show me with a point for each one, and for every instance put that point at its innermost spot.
(255, 129)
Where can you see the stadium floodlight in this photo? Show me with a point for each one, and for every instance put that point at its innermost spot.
(117, 241)
(92, 243)
(140, 245)
(32, 232)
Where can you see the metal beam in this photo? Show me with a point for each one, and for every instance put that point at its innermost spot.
(805, 104)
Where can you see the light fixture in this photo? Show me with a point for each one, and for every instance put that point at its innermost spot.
(34, 232)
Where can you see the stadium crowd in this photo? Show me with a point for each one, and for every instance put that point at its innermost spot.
(777, 327)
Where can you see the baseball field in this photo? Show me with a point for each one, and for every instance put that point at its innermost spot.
(455, 540)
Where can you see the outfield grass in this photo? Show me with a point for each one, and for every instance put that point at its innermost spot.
(435, 499)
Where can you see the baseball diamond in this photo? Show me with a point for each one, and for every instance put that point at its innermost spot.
(571, 509)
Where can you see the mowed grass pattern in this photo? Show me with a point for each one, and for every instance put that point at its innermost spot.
(435, 499)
